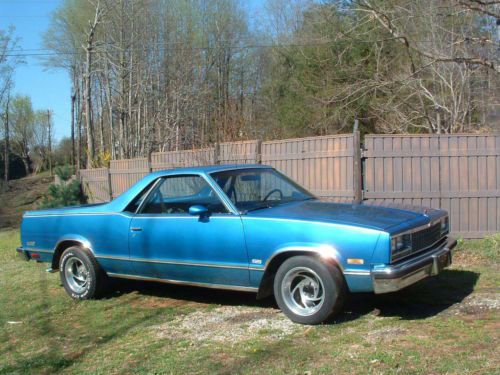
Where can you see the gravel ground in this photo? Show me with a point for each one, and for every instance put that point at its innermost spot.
(233, 324)
(230, 324)
(475, 304)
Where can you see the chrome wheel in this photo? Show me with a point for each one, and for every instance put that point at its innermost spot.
(303, 291)
(76, 274)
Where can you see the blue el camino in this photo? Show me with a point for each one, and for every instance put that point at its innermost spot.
(240, 227)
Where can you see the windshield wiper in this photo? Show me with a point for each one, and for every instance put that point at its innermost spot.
(259, 207)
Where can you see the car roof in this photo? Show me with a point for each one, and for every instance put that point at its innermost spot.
(121, 202)
(205, 169)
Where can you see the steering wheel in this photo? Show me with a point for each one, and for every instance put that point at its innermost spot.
(271, 193)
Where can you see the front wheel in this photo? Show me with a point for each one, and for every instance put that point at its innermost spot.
(81, 275)
(309, 291)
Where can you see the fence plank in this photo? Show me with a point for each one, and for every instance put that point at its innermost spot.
(246, 152)
(124, 173)
(95, 183)
(455, 172)
(183, 158)
(459, 173)
(324, 165)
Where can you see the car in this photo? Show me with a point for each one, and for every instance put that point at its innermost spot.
(240, 227)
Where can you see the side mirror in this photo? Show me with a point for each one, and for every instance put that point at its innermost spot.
(198, 210)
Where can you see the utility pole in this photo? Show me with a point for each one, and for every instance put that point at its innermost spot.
(50, 141)
(6, 148)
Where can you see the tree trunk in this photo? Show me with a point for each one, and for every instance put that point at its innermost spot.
(6, 148)
(26, 162)
(50, 141)
(79, 130)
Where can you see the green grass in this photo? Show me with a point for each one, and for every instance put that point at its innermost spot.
(431, 327)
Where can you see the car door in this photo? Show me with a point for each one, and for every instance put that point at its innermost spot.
(167, 242)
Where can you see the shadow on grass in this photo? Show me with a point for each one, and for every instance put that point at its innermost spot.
(422, 300)
(64, 348)
(182, 293)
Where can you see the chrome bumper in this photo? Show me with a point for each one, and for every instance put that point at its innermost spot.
(395, 277)
(22, 253)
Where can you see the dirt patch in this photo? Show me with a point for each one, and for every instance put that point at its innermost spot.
(229, 324)
(22, 195)
(475, 304)
(154, 303)
(386, 334)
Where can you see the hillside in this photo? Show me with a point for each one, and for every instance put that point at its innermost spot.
(23, 194)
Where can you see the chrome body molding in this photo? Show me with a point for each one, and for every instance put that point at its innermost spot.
(77, 214)
(327, 252)
(33, 250)
(178, 282)
(187, 216)
(82, 241)
(421, 227)
(174, 262)
(357, 273)
(400, 275)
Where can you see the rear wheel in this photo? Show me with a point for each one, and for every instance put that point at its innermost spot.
(81, 275)
(309, 291)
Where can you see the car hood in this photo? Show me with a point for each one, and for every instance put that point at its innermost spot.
(392, 219)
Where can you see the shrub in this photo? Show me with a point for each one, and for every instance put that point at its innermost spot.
(67, 192)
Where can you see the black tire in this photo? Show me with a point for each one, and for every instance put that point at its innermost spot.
(331, 281)
(95, 277)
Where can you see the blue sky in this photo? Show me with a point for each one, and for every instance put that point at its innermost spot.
(49, 89)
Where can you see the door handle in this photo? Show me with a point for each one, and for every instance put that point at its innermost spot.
(135, 229)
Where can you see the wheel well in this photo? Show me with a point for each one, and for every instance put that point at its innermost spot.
(266, 284)
(60, 249)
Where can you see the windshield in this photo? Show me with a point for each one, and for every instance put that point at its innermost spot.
(253, 189)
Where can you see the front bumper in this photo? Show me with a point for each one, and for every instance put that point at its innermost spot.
(398, 276)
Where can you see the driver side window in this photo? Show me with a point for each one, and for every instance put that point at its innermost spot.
(174, 195)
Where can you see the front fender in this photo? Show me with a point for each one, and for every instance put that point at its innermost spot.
(324, 251)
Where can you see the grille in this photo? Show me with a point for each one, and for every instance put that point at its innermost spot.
(418, 241)
(425, 238)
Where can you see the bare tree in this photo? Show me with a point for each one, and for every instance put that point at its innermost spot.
(8, 62)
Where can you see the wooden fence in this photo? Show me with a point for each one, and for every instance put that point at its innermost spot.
(460, 173)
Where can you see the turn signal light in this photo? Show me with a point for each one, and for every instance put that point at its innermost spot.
(355, 261)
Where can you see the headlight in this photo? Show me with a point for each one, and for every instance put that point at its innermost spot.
(445, 226)
(400, 246)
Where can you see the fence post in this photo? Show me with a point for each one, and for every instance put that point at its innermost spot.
(258, 152)
(358, 176)
(217, 153)
(110, 188)
(150, 163)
